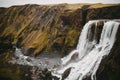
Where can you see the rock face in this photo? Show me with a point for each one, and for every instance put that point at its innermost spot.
(109, 68)
(55, 28)
(40, 28)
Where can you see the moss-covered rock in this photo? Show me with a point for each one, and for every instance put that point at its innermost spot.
(38, 28)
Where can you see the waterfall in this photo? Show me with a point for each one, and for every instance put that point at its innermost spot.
(85, 59)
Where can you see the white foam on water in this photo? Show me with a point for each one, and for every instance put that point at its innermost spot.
(90, 53)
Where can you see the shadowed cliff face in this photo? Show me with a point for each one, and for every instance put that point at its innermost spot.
(103, 13)
(109, 67)
(55, 28)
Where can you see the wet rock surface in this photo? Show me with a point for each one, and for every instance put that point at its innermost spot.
(11, 70)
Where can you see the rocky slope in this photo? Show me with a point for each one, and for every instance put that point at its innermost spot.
(39, 28)
(53, 28)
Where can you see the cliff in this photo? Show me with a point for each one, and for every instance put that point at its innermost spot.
(39, 28)
(54, 28)
(49, 28)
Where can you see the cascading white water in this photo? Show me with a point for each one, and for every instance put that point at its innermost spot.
(85, 59)
(88, 53)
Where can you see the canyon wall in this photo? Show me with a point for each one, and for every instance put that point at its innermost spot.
(55, 28)
(49, 28)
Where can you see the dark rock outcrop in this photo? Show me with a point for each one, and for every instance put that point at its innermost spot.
(111, 12)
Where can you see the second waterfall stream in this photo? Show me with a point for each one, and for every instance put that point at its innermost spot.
(94, 43)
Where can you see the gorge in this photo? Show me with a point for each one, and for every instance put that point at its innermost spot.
(45, 42)
(90, 51)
